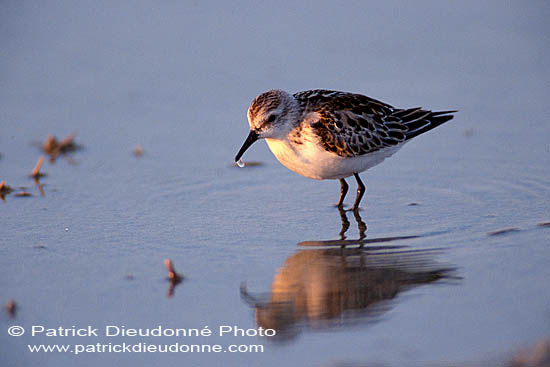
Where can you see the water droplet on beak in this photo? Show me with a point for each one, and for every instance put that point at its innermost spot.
(240, 163)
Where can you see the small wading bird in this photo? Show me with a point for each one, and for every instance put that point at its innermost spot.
(325, 134)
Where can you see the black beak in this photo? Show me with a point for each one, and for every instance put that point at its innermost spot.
(252, 137)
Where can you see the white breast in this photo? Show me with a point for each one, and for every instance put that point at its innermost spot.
(311, 160)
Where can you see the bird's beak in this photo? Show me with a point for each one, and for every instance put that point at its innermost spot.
(252, 137)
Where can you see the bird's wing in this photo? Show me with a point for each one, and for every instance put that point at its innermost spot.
(351, 125)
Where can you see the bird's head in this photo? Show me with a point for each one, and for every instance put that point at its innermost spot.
(271, 115)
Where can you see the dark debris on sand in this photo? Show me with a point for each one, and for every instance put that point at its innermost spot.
(138, 150)
(173, 277)
(54, 147)
(36, 174)
(10, 307)
(503, 231)
(4, 188)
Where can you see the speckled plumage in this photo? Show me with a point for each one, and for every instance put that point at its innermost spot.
(351, 125)
(324, 134)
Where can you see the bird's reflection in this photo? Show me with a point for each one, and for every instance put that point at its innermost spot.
(345, 224)
(332, 287)
(361, 227)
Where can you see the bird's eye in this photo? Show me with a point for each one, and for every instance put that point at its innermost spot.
(271, 118)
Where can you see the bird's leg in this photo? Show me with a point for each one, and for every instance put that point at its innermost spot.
(343, 192)
(360, 192)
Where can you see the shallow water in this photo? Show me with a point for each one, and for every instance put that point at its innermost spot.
(177, 80)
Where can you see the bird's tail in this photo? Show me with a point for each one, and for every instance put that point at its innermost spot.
(418, 121)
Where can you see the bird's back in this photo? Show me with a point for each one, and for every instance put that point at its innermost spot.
(352, 125)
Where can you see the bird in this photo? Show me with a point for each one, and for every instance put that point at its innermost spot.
(327, 134)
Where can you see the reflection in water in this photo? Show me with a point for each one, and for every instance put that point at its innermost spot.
(332, 287)
(38, 184)
(362, 228)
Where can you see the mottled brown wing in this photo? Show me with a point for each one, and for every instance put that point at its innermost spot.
(352, 124)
